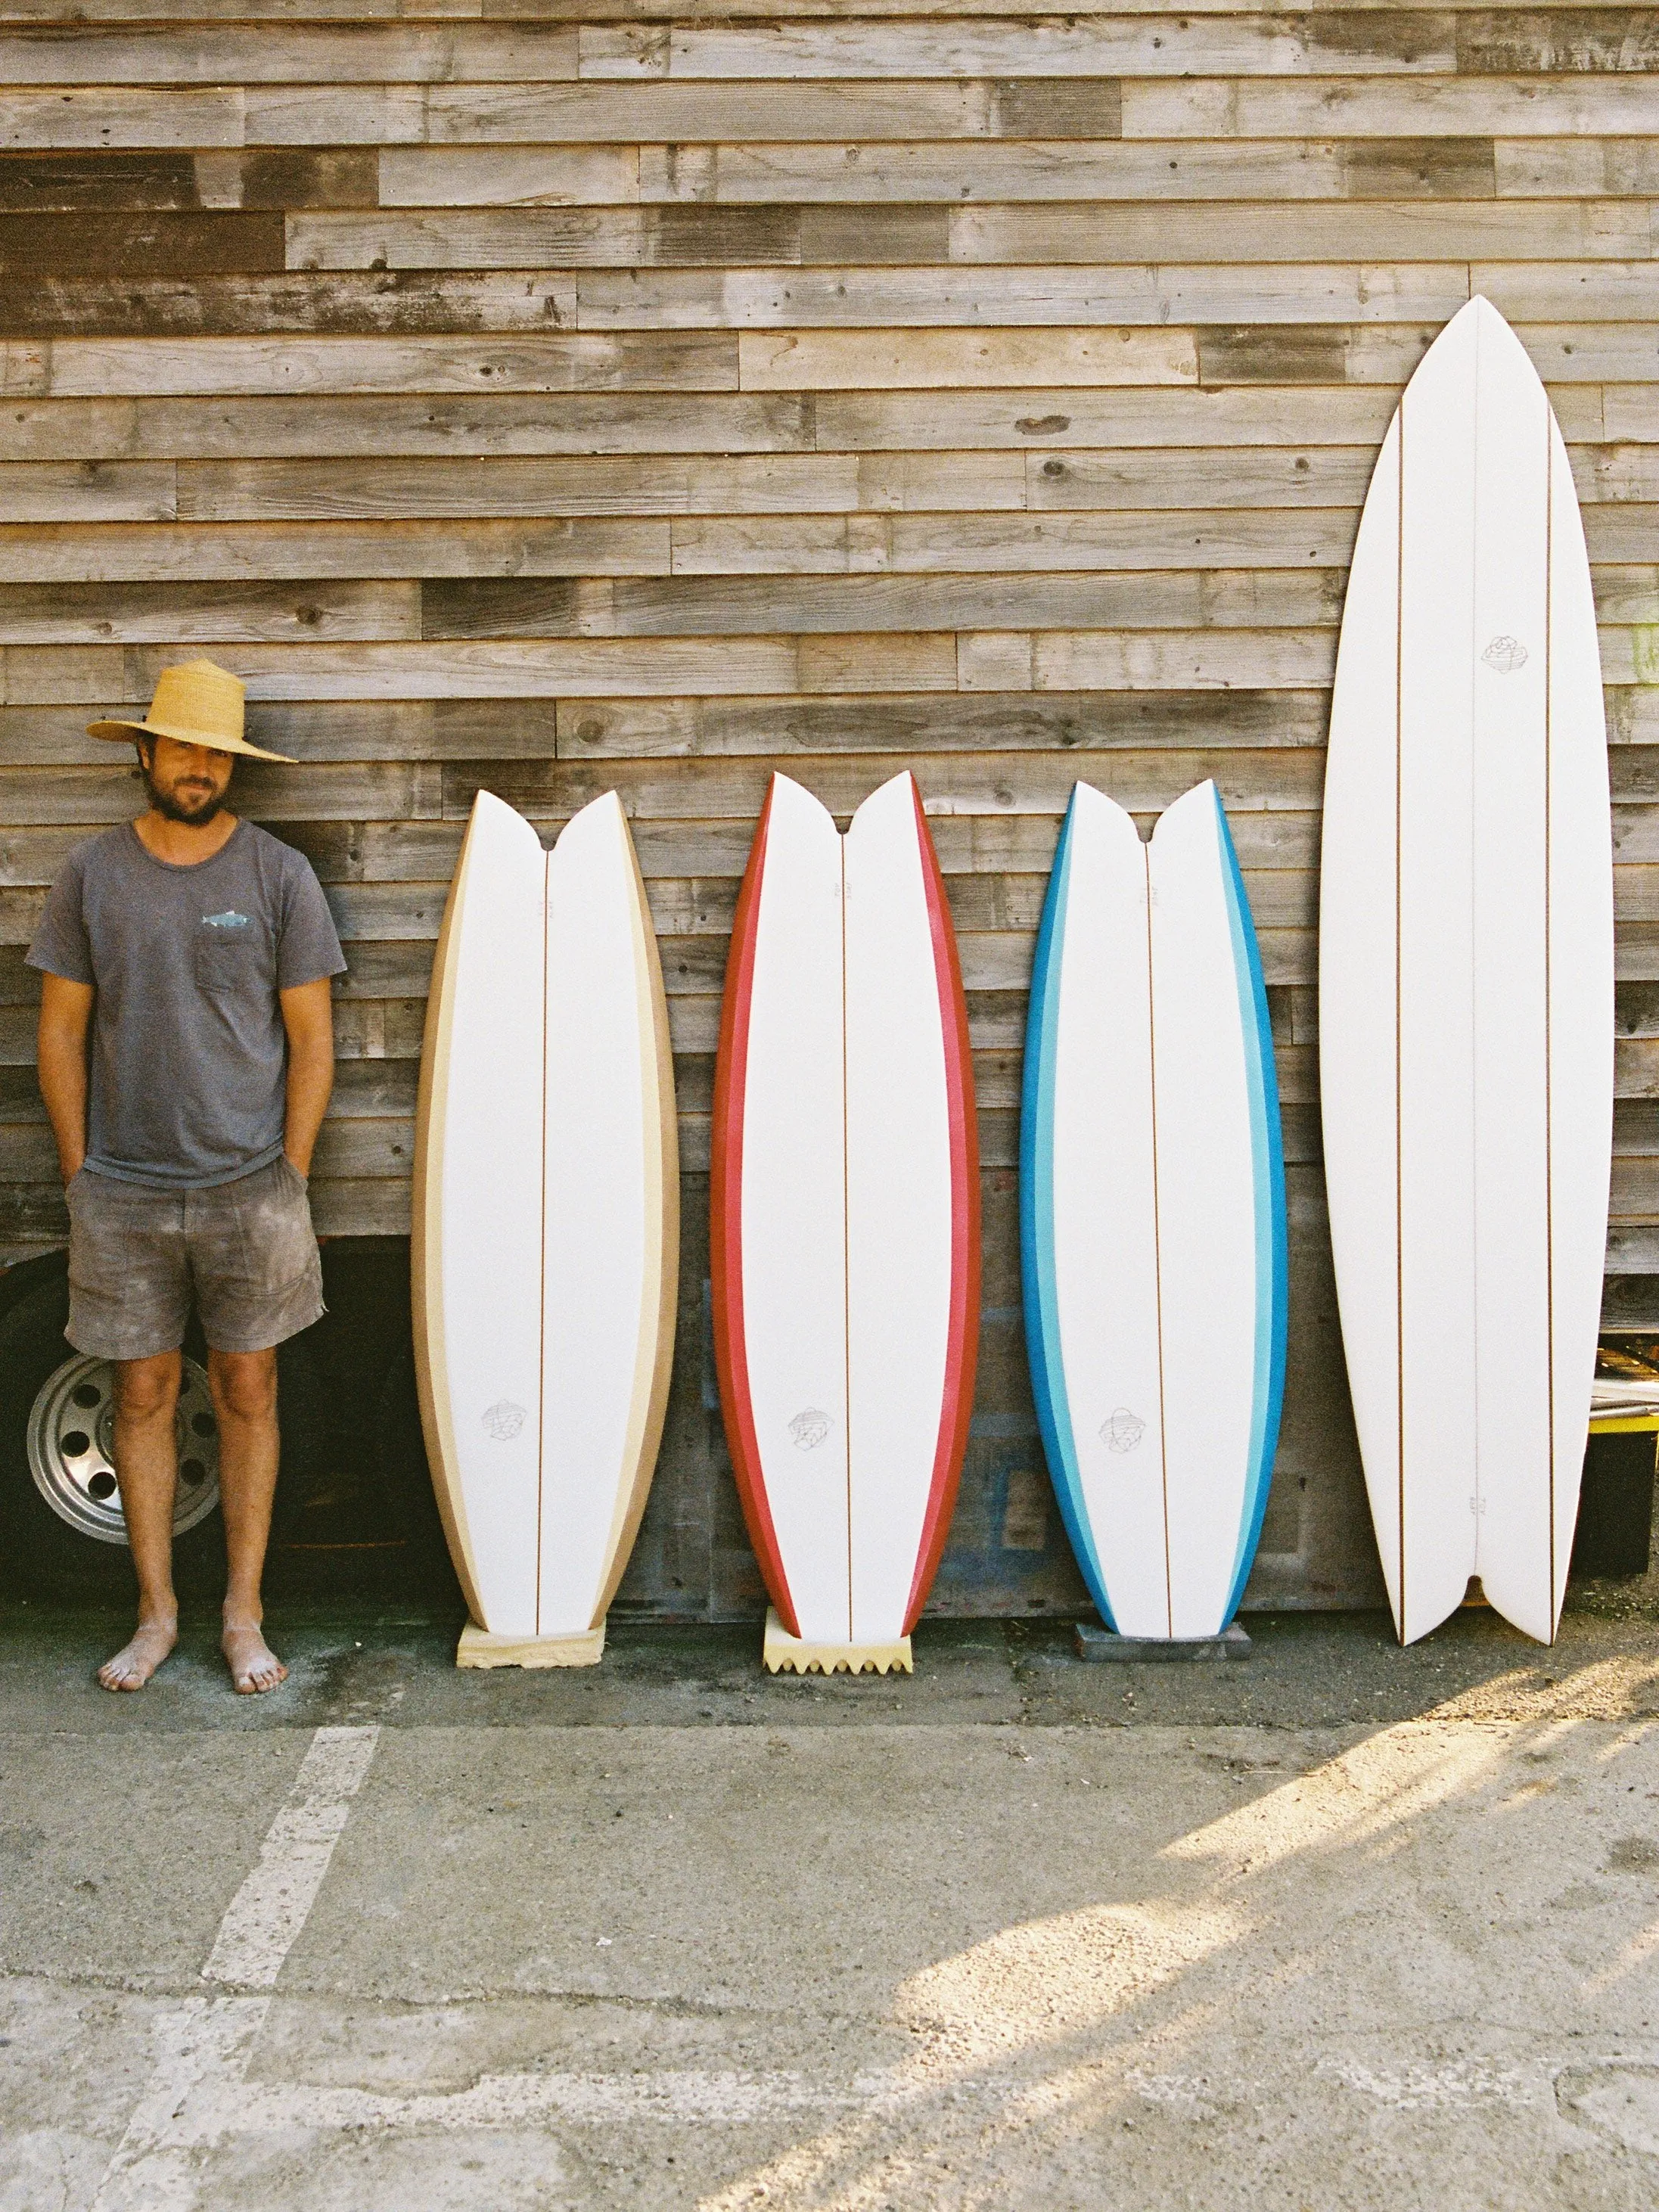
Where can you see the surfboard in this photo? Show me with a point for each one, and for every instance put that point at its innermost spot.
(1152, 1225)
(845, 1215)
(546, 1227)
(1465, 987)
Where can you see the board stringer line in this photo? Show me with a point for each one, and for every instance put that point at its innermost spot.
(1158, 1240)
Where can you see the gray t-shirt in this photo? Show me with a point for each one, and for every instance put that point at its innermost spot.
(189, 1052)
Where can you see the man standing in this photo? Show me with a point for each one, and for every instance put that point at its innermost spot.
(186, 1057)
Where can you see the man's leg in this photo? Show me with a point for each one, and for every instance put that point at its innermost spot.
(146, 1468)
(245, 1399)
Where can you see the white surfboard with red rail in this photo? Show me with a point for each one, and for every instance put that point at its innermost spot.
(845, 1214)
(1466, 987)
(546, 1227)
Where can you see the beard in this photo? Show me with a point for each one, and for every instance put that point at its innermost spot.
(192, 815)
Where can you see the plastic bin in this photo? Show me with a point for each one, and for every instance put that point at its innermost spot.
(1615, 1504)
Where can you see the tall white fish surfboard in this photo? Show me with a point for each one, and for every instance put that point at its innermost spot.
(546, 1227)
(845, 1215)
(1465, 987)
(1152, 1214)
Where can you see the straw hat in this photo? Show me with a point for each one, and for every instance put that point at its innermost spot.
(197, 703)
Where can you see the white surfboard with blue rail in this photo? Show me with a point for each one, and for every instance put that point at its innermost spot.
(1152, 1214)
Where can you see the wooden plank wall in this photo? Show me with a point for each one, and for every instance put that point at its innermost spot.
(554, 394)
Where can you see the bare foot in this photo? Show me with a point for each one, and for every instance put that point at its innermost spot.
(253, 1665)
(135, 1662)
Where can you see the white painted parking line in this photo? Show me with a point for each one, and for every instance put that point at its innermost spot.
(273, 1905)
(202, 2046)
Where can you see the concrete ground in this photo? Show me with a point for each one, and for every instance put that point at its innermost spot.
(1338, 1926)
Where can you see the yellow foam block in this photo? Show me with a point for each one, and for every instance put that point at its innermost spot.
(786, 1654)
(478, 1648)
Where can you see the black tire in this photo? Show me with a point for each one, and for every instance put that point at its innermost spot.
(41, 1556)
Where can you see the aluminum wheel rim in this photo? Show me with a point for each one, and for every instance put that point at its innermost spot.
(71, 1436)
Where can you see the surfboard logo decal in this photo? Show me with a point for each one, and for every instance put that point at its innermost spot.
(1122, 1431)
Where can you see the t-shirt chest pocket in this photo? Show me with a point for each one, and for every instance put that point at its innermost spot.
(229, 953)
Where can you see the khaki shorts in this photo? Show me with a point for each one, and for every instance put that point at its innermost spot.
(243, 1253)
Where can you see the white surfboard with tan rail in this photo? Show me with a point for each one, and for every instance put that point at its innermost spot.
(546, 1228)
(1465, 987)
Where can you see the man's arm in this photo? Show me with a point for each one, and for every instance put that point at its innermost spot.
(308, 1018)
(60, 1045)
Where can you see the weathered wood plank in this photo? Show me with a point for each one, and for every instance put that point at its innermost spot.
(349, 303)
(1211, 477)
(1564, 166)
(1402, 230)
(763, 483)
(290, 53)
(816, 361)
(1100, 45)
(309, 427)
(1096, 720)
(558, 362)
(1569, 292)
(1421, 107)
(1627, 595)
(347, 1208)
(861, 298)
(23, 370)
(682, 606)
(521, 668)
(88, 491)
(1620, 531)
(1054, 164)
(604, 11)
(71, 115)
(1068, 417)
(326, 177)
(1138, 660)
(1290, 538)
(111, 792)
(499, 178)
(595, 546)
(307, 113)
(1528, 41)
(679, 119)
(69, 245)
(1631, 411)
(193, 614)
(378, 1029)
(36, 184)
(573, 237)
